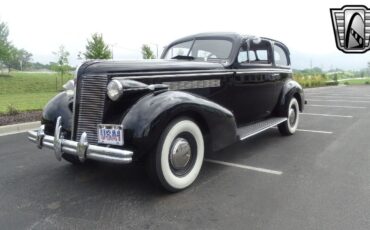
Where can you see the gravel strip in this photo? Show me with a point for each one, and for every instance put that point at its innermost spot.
(20, 118)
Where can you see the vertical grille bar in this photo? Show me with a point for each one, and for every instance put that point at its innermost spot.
(90, 111)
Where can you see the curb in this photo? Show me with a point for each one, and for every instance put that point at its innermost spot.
(18, 128)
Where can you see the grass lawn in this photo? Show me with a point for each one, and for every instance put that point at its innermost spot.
(28, 91)
(357, 81)
(25, 101)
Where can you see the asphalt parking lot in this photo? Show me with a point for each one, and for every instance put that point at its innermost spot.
(318, 178)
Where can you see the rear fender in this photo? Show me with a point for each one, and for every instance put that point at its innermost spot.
(290, 89)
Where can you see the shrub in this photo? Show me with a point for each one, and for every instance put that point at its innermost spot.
(367, 82)
(11, 110)
(310, 80)
(346, 83)
(331, 83)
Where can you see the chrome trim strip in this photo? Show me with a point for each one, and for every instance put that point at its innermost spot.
(264, 71)
(80, 149)
(193, 84)
(168, 72)
(195, 73)
(174, 75)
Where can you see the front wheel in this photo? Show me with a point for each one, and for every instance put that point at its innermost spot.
(179, 155)
(292, 113)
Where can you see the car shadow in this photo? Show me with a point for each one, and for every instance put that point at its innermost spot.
(111, 180)
(246, 148)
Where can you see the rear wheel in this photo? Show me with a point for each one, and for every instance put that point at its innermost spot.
(291, 111)
(179, 155)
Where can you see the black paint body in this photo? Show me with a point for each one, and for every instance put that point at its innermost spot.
(246, 93)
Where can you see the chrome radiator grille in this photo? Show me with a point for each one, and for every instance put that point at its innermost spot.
(90, 111)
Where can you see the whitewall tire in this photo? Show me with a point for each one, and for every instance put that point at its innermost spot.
(291, 111)
(179, 155)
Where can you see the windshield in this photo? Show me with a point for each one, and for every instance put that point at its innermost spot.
(203, 49)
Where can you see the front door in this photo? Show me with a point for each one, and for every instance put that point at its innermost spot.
(254, 84)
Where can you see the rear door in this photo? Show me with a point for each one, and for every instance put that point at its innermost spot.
(282, 65)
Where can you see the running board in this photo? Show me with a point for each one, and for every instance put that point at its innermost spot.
(255, 128)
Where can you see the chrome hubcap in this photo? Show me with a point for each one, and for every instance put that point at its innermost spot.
(180, 153)
(292, 116)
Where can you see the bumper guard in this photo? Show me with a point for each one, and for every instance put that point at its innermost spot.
(82, 149)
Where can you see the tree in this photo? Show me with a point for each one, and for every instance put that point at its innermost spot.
(96, 48)
(17, 58)
(10, 56)
(10, 60)
(147, 52)
(61, 66)
(24, 58)
(4, 43)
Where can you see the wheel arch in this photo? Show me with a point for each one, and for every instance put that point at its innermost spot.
(59, 105)
(201, 122)
(147, 119)
(299, 99)
(290, 89)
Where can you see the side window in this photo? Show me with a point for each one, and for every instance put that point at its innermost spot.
(261, 55)
(280, 56)
(258, 53)
(243, 56)
(252, 56)
(262, 52)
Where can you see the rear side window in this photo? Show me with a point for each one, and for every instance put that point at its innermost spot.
(280, 56)
(258, 53)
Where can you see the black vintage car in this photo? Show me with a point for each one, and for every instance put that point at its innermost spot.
(208, 91)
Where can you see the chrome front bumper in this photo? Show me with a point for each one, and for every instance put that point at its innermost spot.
(82, 149)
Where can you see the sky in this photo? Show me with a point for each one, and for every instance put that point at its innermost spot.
(305, 27)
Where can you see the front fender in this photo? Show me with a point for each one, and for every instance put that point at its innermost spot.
(290, 89)
(146, 120)
(60, 105)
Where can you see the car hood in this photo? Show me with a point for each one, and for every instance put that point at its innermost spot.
(108, 67)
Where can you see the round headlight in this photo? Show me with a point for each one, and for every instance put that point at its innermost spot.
(114, 90)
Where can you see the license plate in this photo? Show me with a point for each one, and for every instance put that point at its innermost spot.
(110, 134)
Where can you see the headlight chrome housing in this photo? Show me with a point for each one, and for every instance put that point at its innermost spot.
(69, 87)
(114, 90)
(117, 87)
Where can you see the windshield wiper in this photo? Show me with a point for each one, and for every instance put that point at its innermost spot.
(184, 57)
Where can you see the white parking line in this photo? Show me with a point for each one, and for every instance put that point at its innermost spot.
(335, 95)
(314, 131)
(309, 130)
(338, 106)
(342, 96)
(326, 115)
(338, 100)
(244, 167)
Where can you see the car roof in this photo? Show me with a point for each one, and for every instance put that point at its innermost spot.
(235, 37)
(229, 35)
